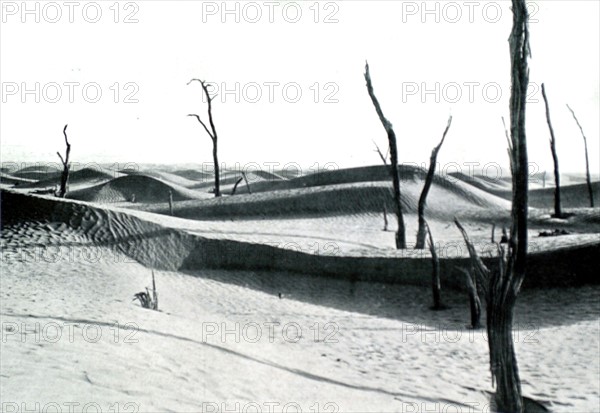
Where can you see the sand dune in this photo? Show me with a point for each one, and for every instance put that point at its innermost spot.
(192, 174)
(90, 267)
(144, 188)
(7, 179)
(320, 196)
(172, 243)
(77, 179)
(167, 177)
(571, 196)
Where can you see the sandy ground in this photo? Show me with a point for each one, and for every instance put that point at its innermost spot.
(223, 338)
(272, 341)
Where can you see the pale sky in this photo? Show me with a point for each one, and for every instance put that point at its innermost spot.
(408, 51)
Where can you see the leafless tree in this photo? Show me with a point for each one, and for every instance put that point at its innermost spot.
(212, 133)
(501, 287)
(436, 283)
(428, 180)
(587, 161)
(64, 177)
(401, 233)
(385, 219)
(557, 208)
(242, 178)
(474, 301)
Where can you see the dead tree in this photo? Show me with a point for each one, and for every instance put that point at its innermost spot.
(436, 284)
(428, 180)
(171, 202)
(401, 233)
(243, 177)
(236, 185)
(246, 180)
(544, 177)
(385, 220)
(212, 133)
(493, 232)
(501, 287)
(587, 161)
(64, 177)
(474, 301)
(557, 208)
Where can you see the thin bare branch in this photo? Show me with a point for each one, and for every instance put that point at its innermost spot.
(383, 158)
(203, 124)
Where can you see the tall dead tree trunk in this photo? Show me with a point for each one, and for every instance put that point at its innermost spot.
(64, 177)
(501, 287)
(213, 134)
(557, 208)
(587, 161)
(428, 180)
(401, 232)
(436, 283)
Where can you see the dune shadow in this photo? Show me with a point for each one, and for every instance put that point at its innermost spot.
(536, 308)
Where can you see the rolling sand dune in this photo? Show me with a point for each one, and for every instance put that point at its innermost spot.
(146, 189)
(38, 173)
(168, 177)
(571, 196)
(77, 179)
(175, 244)
(386, 353)
(446, 199)
(192, 174)
(7, 179)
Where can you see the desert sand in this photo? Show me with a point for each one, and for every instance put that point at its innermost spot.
(287, 296)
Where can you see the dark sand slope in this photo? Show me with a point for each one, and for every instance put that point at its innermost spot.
(166, 248)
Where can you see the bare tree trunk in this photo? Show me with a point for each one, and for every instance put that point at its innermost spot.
(493, 232)
(587, 161)
(171, 202)
(401, 233)
(502, 287)
(428, 180)
(436, 283)
(213, 134)
(64, 178)
(544, 180)
(236, 185)
(557, 208)
(474, 301)
(385, 220)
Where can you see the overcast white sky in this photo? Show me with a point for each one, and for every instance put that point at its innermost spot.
(408, 51)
